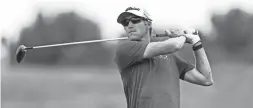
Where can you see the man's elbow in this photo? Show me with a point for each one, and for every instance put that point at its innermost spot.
(177, 46)
(208, 83)
(170, 48)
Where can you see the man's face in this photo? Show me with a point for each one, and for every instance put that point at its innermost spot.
(134, 27)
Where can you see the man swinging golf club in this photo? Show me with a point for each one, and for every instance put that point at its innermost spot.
(150, 70)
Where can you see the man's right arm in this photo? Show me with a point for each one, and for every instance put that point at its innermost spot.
(168, 46)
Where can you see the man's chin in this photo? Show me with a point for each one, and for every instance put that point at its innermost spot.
(134, 38)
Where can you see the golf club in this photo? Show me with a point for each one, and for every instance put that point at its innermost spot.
(21, 51)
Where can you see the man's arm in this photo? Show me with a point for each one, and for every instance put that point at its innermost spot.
(130, 52)
(168, 46)
(202, 74)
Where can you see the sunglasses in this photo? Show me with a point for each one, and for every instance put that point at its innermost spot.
(134, 20)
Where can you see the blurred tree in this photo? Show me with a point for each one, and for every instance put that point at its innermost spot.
(234, 33)
(66, 27)
(234, 29)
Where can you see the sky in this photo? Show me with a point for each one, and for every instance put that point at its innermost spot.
(16, 14)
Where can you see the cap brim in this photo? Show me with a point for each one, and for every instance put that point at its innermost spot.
(123, 15)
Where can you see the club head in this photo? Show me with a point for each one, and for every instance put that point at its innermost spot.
(20, 53)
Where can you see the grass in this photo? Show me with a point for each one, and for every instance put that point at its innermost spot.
(60, 88)
(84, 87)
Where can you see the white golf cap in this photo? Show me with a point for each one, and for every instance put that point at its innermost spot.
(135, 11)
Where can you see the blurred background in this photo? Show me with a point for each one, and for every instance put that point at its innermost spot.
(85, 76)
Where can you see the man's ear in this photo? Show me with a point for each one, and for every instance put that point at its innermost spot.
(149, 24)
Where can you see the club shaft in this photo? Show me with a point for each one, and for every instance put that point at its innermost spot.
(83, 42)
(75, 43)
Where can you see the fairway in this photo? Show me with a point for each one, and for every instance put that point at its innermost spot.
(62, 88)
(87, 87)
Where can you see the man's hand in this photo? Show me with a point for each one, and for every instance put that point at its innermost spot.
(178, 32)
(174, 32)
(191, 38)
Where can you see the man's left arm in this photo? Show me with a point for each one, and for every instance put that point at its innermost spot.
(202, 73)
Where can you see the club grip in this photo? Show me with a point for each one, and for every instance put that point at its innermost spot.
(161, 35)
(196, 32)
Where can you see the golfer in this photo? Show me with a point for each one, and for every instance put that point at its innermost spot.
(149, 68)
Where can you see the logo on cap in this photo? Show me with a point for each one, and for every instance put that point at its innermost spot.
(132, 8)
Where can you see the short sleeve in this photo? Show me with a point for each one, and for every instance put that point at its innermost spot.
(129, 53)
(183, 66)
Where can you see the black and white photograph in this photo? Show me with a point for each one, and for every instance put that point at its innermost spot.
(126, 53)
